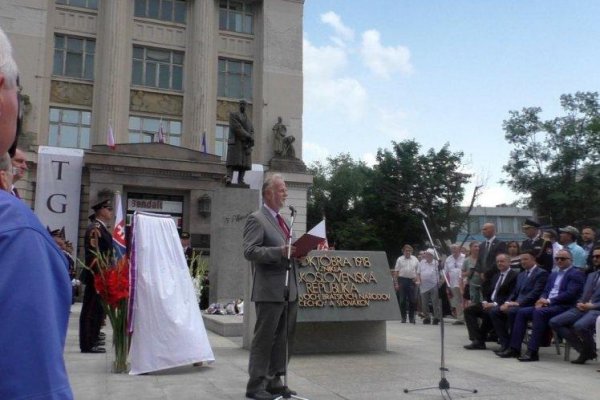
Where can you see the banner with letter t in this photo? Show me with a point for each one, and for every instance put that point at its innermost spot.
(58, 189)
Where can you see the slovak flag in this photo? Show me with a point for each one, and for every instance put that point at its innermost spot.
(118, 233)
(110, 137)
(161, 133)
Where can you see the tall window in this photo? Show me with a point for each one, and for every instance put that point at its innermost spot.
(235, 79)
(93, 4)
(235, 16)
(74, 57)
(221, 136)
(145, 130)
(164, 10)
(157, 68)
(69, 128)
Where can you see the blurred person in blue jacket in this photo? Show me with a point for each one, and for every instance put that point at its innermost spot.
(35, 291)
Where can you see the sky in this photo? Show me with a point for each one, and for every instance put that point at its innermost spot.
(441, 71)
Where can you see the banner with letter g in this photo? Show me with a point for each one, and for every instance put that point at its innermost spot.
(58, 189)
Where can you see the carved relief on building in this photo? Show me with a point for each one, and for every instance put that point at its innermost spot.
(225, 107)
(159, 103)
(73, 21)
(235, 45)
(71, 93)
(159, 34)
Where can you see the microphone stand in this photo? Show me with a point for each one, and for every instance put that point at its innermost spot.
(443, 385)
(286, 298)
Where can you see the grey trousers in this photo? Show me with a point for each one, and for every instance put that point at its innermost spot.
(267, 351)
(431, 294)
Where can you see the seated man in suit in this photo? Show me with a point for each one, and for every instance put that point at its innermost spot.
(561, 292)
(529, 288)
(503, 284)
(576, 325)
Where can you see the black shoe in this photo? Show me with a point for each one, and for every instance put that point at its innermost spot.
(95, 349)
(500, 350)
(583, 357)
(404, 321)
(475, 345)
(436, 321)
(282, 391)
(260, 395)
(529, 356)
(426, 321)
(509, 353)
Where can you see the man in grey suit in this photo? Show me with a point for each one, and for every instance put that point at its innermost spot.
(265, 245)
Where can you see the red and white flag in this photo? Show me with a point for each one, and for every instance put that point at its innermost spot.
(161, 133)
(110, 138)
(118, 233)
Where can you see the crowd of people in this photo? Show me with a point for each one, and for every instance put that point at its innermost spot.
(520, 295)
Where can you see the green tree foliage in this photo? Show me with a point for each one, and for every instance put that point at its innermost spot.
(371, 208)
(554, 162)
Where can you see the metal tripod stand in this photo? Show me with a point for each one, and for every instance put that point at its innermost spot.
(286, 392)
(443, 385)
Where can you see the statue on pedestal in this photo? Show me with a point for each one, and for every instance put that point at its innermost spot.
(282, 143)
(239, 144)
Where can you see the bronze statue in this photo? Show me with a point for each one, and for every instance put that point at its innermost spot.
(239, 144)
(282, 144)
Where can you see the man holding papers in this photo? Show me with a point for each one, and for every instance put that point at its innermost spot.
(265, 243)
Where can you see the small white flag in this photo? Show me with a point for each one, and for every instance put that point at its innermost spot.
(110, 137)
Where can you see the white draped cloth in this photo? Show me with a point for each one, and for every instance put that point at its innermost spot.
(168, 330)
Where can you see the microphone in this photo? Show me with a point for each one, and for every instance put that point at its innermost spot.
(419, 211)
(293, 210)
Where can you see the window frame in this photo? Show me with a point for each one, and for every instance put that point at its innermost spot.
(221, 143)
(87, 57)
(152, 133)
(227, 14)
(61, 124)
(145, 61)
(176, 5)
(225, 79)
(86, 6)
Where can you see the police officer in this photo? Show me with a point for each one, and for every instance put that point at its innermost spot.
(187, 249)
(98, 240)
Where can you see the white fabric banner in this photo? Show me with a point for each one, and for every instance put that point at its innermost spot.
(168, 330)
(58, 189)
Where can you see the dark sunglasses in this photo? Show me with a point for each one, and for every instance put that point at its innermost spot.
(561, 258)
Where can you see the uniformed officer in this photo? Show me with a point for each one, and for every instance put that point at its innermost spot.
(98, 239)
(535, 242)
(187, 248)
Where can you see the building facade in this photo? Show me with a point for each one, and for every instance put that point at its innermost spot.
(144, 69)
(508, 222)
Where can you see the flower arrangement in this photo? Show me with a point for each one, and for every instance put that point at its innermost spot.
(112, 284)
(198, 270)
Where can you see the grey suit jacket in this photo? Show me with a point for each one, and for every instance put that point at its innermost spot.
(262, 243)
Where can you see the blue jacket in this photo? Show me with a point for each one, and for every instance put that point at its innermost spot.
(35, 298)
(528, 290)
(570, 288)
(591, 290)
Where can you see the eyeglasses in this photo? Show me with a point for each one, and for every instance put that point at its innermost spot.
(561, 258)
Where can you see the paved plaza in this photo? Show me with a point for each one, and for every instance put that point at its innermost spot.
(412, 360)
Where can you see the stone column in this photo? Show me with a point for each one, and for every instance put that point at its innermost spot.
(200, 76)
(112, 73)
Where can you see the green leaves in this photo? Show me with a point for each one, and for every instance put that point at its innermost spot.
(554, 161)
